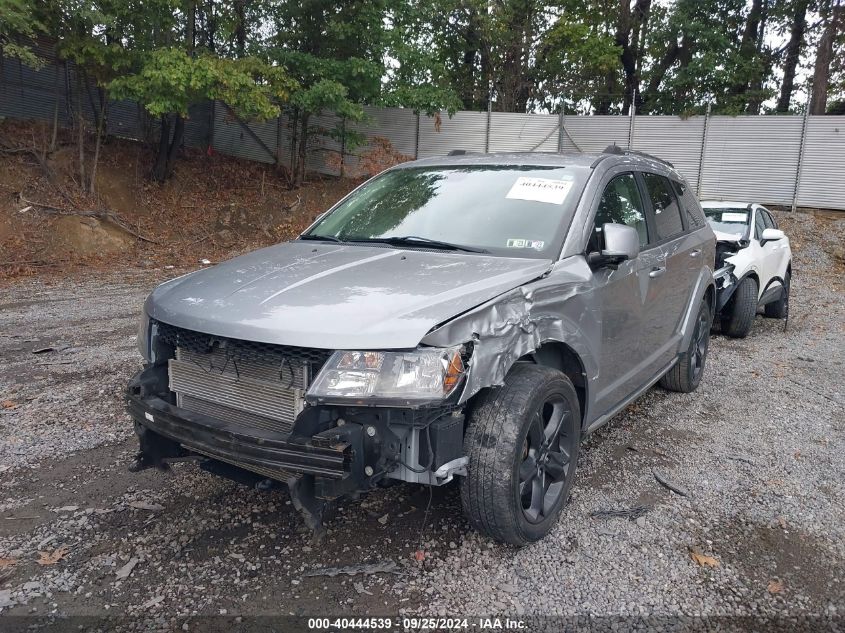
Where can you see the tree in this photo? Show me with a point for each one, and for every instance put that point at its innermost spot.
(797, 31)
(833, 19)
(18, 24)
(169, 81)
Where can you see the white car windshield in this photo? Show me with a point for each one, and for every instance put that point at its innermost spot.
(508, 210)
(726, 220)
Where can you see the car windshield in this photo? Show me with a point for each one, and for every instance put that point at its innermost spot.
(727, 220)
(513, 210)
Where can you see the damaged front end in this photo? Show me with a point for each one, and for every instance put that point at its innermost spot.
(243, 410)
(725, 273)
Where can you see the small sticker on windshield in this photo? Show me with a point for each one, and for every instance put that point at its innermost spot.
(729, 216)
(540, 190)
(535, 244)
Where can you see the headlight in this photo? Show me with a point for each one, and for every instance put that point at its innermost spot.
(143, 338)
(422, 376)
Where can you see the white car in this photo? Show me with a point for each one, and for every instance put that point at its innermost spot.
(753, 264)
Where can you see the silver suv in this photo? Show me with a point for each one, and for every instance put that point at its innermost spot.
(472, 316)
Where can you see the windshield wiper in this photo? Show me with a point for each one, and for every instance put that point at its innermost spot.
(416, 240)
(321, 238)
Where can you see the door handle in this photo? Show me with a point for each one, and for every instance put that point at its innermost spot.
(656, 271)
(695, 253)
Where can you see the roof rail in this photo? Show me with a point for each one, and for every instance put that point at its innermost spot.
(615, 149)
(458, 152)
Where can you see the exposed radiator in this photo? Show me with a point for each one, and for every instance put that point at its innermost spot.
(255, 392)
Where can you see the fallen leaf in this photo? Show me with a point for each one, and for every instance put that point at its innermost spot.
(703, 560)
(9, 404)
(419, 555)
(7, 562)
(775, 586)
(145, 505)
(51, 558)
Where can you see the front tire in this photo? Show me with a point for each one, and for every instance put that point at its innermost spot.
(741, 310)
(685, 375)
(522, 441)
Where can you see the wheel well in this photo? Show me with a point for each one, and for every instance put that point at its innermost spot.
(710, 297)
(562, 357)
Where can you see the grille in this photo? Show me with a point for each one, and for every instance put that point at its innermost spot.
(254, 385)
(238, 349)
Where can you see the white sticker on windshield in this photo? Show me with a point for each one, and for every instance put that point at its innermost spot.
(729, 216)
(540, 190)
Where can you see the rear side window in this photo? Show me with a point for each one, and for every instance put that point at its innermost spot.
(690, 206)
(667, 213)
(621, 204)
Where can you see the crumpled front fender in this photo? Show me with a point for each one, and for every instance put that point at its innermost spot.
(560, 306)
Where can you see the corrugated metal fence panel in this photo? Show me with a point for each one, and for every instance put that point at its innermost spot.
(198, 125)
(398, 125)
(231, 138)
(515, 132)
(465, 130)
(323, 150)
(823, 168)
(125, 119)
(594, 133)
(752, 158)
(674, 139)
(31, 94)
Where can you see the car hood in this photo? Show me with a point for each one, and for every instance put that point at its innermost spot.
(336, 296)
(727, 237)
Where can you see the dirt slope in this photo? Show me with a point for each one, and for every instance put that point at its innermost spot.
(213, 207)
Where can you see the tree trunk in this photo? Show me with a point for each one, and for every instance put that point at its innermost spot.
(747, 49)
(175, 144)
(793, 55)
(80, 125)
(100, 125)
(58, 93)
(302, 149)
(824, 57)
(191, 27)
(629, 28)
(240, 27)
(160, 167)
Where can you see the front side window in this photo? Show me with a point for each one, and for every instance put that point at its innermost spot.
(759, 225)
(621, 204)
(507, 210)
(667, 213)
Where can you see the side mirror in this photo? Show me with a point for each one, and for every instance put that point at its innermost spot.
(771, 235)
(621, 242)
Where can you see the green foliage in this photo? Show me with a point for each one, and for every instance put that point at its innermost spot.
(18, 22)
(170, 81)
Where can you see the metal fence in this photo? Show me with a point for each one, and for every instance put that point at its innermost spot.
(783, 160)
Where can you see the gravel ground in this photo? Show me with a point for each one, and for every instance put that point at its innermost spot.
(758, 450)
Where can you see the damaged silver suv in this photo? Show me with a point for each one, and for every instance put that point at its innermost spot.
(472, 316)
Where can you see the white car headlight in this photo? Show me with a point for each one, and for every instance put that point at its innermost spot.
(421, 376)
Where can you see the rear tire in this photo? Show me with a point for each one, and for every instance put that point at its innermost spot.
(522, 441)
(741, 310)
(780, 309)
(685, 375)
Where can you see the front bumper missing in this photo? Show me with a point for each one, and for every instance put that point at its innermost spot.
(726, 283)
(253, 448)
